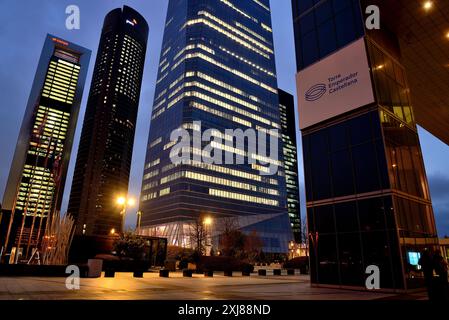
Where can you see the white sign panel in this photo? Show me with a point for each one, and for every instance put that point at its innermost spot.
(335, 85)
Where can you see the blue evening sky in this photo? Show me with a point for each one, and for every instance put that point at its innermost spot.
(22, 33)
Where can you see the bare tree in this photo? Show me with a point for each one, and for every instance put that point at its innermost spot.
(199, 235)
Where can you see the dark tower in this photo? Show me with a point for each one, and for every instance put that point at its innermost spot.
(368, 200)
(106, 146)
(39, 167)
(290, 149)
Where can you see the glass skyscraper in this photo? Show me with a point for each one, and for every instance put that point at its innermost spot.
(106, 146)
(290, 151)
(367, 195)
(38, 171)
(217, 71)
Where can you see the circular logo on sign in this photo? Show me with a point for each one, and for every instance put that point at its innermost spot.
(316, 92)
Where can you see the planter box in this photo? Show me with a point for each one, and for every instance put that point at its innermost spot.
(95, 266)
(262, 272)
(277, 272)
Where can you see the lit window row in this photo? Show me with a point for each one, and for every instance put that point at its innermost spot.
(228, 34)
(229, 69)
(236, 31)
(243, 13)
(216, 92)
(149, 196)
(153, 163)
(241, 26)
(252, 64)
(151, 185)
(221, 104)
(164, 192)
(262, 5)
(242, 197)
(155, 142)
(151, 174)
(220, 114)
(217, 180)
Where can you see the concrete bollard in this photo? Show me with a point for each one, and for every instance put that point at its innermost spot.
(277, 272)
(208, 274)
(187, 273)
(228, 273)
(164, 273)
(138, 274)
(109, 273)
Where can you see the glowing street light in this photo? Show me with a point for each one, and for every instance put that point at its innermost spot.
(125, 202)
(428, 5)
(121, 201)
(208, 221)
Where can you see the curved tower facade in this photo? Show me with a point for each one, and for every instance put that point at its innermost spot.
(105, 152)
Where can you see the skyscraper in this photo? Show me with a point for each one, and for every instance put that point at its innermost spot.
(368, 201)
(105, 152)
(217, 72)
(38, 171)
(290, 150)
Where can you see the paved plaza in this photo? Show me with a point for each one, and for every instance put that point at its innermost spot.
(152, 287)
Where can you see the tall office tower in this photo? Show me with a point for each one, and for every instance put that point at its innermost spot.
(105, 151)
(39, 167)
(368, 199)
(217, 71)
(288, 123)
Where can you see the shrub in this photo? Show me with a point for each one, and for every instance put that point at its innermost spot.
(183, 264)
(297, 263)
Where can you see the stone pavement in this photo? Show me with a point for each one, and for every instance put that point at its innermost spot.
(151, 287)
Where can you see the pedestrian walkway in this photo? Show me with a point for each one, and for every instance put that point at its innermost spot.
(152, 287)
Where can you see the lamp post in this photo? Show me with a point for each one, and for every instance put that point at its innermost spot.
(139, 218)
(207, 222)
(124, 202)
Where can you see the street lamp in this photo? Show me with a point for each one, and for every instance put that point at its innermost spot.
(125, 202)
(139, 219)
(207, 222)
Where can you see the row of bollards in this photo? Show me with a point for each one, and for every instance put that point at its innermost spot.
(165, 273)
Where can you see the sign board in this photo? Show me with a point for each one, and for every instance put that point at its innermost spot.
(334, 85)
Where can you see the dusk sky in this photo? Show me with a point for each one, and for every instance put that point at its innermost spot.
(22, 34)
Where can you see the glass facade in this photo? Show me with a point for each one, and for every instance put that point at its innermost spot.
(38, 172)
(366, 188)
(105, 153)
(217, 71)
(323, 27)
(288, 123)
